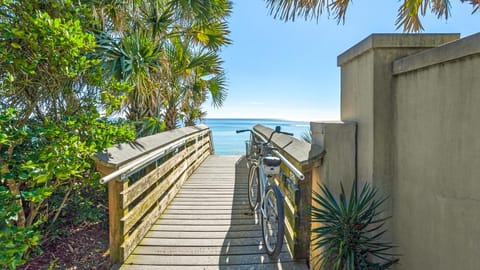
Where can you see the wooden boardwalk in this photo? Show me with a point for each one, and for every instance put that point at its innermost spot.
(209, 226)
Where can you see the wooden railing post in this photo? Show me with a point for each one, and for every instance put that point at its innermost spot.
(303, 226)
(115, 215)
(210, 141)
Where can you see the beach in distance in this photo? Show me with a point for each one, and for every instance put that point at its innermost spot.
(227, 142)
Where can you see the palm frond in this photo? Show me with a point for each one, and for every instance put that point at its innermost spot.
(408, 14)
(217, 88)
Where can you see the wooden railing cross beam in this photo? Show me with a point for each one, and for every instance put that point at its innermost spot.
(134, 205)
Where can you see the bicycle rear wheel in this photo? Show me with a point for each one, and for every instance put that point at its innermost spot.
(273, 227)
(253, 187)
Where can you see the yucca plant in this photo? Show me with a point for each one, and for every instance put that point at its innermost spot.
(350, 229)
(307, 136)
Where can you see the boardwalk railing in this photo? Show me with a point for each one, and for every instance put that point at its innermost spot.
(143, 177)
(297, 193)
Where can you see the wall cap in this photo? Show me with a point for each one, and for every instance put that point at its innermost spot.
(377, 41)
(454, 50)
(123, 153)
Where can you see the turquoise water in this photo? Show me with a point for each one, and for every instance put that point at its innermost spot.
(227, 142)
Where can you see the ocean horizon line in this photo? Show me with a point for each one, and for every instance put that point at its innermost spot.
(254, 118)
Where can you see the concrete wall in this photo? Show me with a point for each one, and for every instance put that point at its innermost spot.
(337, 139)
(367, 98)
(436, 191)
(416, 102)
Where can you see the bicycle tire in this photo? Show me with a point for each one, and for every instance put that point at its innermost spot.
(273, 227)
(253, 187)
(251, 153)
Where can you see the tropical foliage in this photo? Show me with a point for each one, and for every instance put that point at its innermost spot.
(45, 164)
(169, 55)
(307, 136)
(65, 66)
(350, 230)
(408, 16)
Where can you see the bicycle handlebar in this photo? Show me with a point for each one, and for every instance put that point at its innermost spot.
(277, 130)
(286, 133)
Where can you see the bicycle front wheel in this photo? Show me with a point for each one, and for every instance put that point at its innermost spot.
(253, 187)
(273, 227)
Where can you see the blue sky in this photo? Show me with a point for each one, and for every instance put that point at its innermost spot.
(288, 70)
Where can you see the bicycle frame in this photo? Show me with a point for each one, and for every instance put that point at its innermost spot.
(265, 180)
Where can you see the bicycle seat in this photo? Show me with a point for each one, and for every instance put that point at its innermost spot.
(272, 161)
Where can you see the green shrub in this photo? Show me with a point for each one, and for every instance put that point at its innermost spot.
(44, 165)
(14, 241)
(350, 230)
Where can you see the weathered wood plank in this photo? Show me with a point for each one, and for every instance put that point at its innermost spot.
(205, 228)
(132, 240)
(200, 242)
(220, 171)
(196, 251)
(212, 196)
(220, 200)
(211, 199)
(180, 235)
(289, 236)
(140, 209)
(176, 206)
(245, 211)
(204, 260)
(181, 222)
(116, 211)
(182, 171)
(207, 217)
(207, 194)
(237, 203)
(124, 153)
(150, 179)
(264, 266)
(212, 191)
(212, 183)
(136, 236)
(201, 186)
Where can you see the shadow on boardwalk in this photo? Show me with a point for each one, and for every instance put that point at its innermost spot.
(243, 245)
(208, 226)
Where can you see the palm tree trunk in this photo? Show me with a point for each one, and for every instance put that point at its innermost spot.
(171, 117)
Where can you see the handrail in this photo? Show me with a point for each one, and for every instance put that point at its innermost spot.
(134, 206)
(148, 158)
(284, 159)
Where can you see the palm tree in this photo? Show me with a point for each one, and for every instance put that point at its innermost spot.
(136, 59)
(408, 12)
(158, 47)
(213, 86)
(195, 73)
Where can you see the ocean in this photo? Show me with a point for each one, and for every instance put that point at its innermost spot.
(227, 142)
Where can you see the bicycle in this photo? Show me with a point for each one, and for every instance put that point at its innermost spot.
(263, 192)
